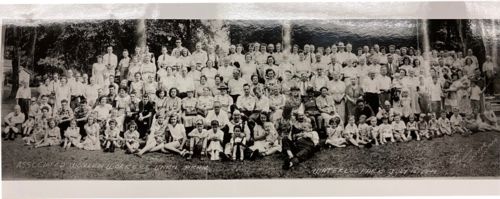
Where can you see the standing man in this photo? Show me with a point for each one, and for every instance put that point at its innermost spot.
(110, 60)
(199, 55)
(122, 70)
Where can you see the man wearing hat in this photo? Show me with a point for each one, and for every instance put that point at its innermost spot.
(225, 100)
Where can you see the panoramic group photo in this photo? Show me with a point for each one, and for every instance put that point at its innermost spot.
(172, 99)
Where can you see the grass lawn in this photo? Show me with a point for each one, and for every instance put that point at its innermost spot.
(475, 156)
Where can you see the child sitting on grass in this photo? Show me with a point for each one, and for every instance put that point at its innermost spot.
(374, 130)
(37, 136)
(433, 126)
(52, 135)
(131, 138)
(364, 132)
(72, 136)
(334, 132)
(473, 125)
(489, 116)
(214, 137)
(111, 137)
(399, 129)
(197, 140)
(445, 126)
(27, 126)
(457, 123)
(351, 132)
(423, 127)
(238, 142)
(385, 131)
(412, 127)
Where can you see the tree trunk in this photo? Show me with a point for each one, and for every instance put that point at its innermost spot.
(33, 47)
(16, 59)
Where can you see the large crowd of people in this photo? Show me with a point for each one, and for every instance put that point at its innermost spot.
(256, 101)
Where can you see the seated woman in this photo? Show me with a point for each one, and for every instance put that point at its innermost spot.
(157, 137)
(173, 103)
(72, 136)
(205, 102)
(52, 135)
(91, 142)
(266, 141)
(176, 136)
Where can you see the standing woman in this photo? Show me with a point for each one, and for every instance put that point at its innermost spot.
(98, 71)
(201, 85)
(338, 90)
(134, 67)
(137, 86)
(209, 72)
(160, 102)
(168, 81)
(148, 68)
(150, 87)
(90, 93)
(189, 113)
(469, 67)
(63, 92)
(248, 68)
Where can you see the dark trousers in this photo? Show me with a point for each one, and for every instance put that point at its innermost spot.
(11, 134)
(63, 126)
(81, 125)
(235, 97)
(384, 96)
(24, 103)
(372, 99)
(302, 149)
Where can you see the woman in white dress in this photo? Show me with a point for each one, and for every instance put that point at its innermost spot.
(209, 71)
(148, 68)
(98, 71)
(248, 68)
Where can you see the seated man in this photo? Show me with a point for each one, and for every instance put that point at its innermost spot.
(299, 146)
(13, 122)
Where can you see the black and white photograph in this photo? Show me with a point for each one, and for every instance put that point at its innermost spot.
(212, 99)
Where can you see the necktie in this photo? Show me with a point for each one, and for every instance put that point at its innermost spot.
(109, 58)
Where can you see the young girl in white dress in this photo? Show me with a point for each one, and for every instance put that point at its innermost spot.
(334, 131)
(131, 138)
(351, 132)
(214, 140)
(72, 136)
(111, 137)
(37, 136)
(52, 135)
(91, 142)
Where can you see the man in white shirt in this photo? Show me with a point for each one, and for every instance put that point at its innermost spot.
(179, 47)
(217, 114)
(110, 60)
(164, 58)
(372, 90)
(122, 70)
(236, 84)
(199, 55)
(436, 93)
(384, 83)
(246, 102)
